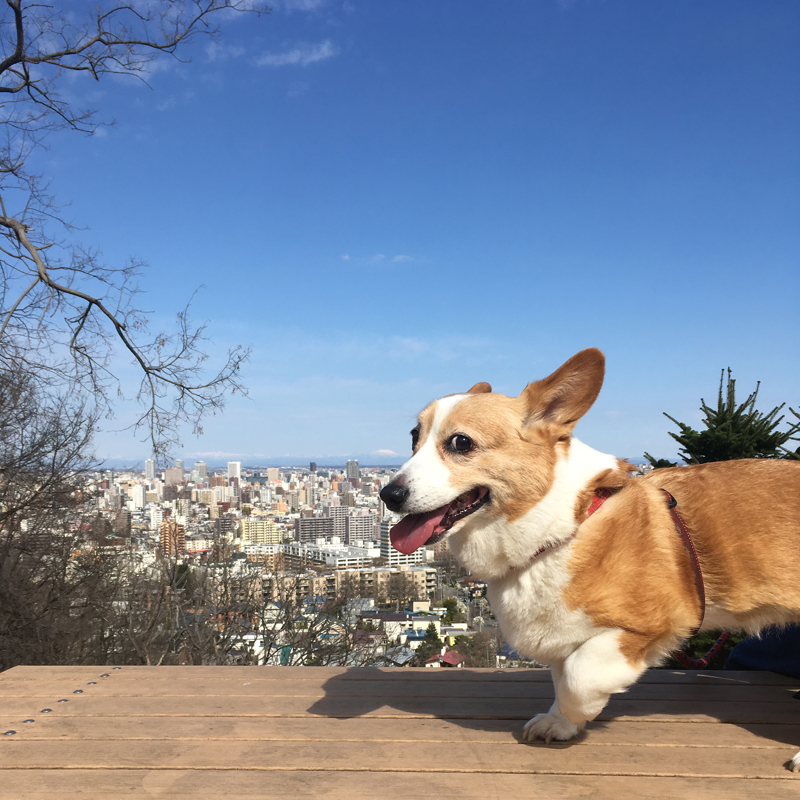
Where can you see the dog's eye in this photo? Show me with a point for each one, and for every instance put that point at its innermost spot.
(414, 438)
(460, 443)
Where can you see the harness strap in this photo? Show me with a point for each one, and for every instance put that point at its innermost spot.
(686, 538)
(602, 494)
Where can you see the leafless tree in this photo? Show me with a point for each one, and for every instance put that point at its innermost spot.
(51, 571)
(401, 590)
(64, 313)
(294, 628)
(174, 613)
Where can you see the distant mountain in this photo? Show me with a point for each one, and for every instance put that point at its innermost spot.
(364, 460)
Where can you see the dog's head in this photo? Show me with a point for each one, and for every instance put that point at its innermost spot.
(480, 457)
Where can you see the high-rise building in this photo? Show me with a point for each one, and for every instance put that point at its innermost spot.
(225, 527)
(156, 518)
(222, 494)
(179, 465)
(352, 470)
(273, 474)
(256, 530)
(309, 529)
(339, 516)
(173, 538)
(361, 528)
(201, 469)
(139, 496)
(311, 489)
(149, 469)
(173, 476)
(234, 469)
(312, 467)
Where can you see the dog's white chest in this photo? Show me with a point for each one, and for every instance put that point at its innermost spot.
(532, 615)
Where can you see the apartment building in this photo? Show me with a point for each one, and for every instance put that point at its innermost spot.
(257, 530)
(173, 538)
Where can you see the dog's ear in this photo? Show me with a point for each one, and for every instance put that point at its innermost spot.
(566, 395)
(480, 388)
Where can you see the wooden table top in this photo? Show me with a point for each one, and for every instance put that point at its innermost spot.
(285, 732)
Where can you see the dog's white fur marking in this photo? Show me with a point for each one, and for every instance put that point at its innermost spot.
(425, 474)
(584, 681)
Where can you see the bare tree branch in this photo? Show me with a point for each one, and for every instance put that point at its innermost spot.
(63, 313)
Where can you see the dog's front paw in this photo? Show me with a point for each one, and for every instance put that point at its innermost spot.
(549, 727)
(794, 764)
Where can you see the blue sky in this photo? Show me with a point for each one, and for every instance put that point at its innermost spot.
(391, 201)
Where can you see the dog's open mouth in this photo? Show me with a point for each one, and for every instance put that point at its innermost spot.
(415, 530)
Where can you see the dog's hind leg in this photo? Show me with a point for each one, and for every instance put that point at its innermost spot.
(795, 763)
(584, 682)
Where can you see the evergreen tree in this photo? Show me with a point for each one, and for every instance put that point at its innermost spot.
(734, 431)
(451, 604)
(659, 463)
(431, 645)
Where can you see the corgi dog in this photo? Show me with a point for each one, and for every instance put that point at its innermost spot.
(586, 568)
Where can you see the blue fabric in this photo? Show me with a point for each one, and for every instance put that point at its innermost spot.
(777, 650)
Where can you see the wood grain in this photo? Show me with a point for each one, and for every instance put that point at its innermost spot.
(302, 732)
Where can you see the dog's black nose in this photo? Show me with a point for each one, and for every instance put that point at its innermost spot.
(394, 496)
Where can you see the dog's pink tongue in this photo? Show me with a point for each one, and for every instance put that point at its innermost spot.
(415, 529)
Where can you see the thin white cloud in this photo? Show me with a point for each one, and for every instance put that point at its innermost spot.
(384, 453)
(398, 258)
(301, 5)
(297, 89)
(172, 101)
(378, 258)
(345, 257)
(217, 51)
(300, 56)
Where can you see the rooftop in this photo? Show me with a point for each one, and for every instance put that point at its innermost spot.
(250, 732)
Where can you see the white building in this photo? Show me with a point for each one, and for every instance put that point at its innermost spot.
(156, 518)
(139, 497)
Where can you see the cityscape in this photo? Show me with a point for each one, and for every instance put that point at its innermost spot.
(304, 539)
(300, 558)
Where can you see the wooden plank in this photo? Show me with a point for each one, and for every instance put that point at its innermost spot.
(455, 708)
(242, 784)
(450, 757)
(372, 729)
(87, 673)
(333, 687)
(314, 690)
